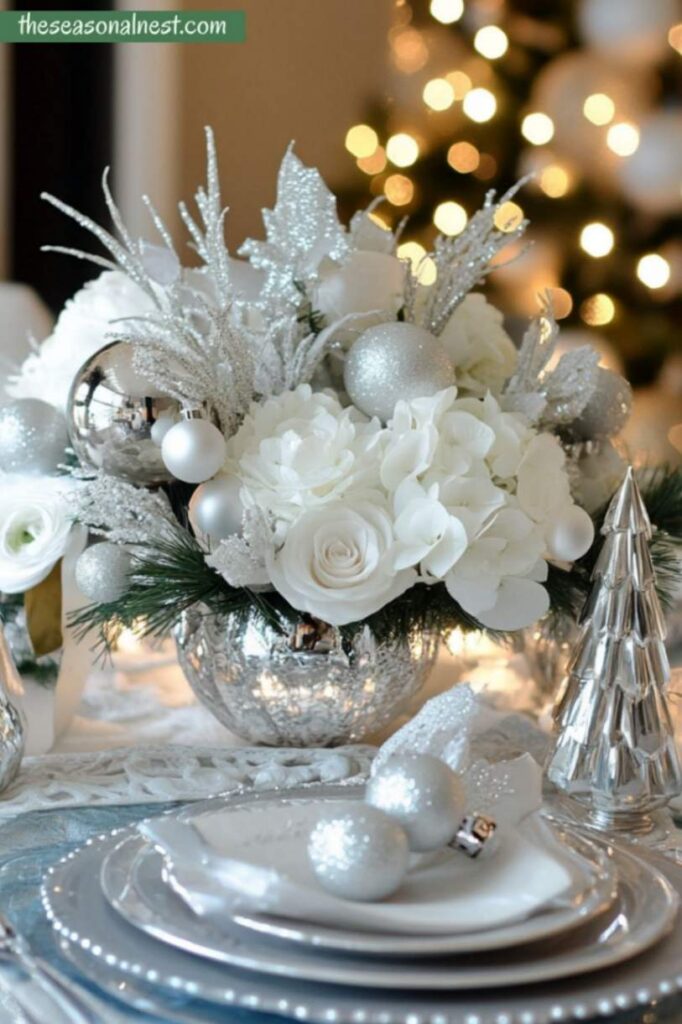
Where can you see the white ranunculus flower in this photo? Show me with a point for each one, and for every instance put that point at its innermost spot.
(427, 534)
(499, 578)
(367, 282)
(337, 562)
(80, 331)
(482, 352)
(301, 449)
(35, 522)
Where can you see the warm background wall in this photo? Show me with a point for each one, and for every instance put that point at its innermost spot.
(305, 73)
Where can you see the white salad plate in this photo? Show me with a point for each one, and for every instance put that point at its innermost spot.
(239, 860)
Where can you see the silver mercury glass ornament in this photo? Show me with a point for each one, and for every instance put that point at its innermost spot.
(111, 411)
(11, 718)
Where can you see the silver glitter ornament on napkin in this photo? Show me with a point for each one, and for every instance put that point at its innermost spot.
(358, 852)
(614, 751)
(33, 437)
(423, 795)
(110, 414)
(395, 361)
(11, 719)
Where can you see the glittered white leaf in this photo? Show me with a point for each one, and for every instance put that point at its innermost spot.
(301, 229)
(570, 386)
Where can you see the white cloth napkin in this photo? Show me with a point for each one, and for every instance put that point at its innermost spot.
(252, 859)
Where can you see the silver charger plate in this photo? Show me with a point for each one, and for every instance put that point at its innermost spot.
(133, 882)
(136, 969)
(72, 892)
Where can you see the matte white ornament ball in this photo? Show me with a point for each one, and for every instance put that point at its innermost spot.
(33, 437)
(607, 410)
(161, 426)
(394, 361)
(358, 853)
(216, 508)
(571, 534)
(102, 572)
(193, 450)
(423, 795)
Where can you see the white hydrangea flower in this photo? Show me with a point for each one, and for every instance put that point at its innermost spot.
(337, 561)
(427, 534)
(499, 578)
(543, 487)
(300, 450)
(483, 354)
(81, 330)
(35, 523)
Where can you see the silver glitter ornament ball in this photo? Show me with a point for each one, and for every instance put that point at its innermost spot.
(394, 361)
(422, 795)
(607, 410)
(102, 572)
(358, 853)
(216, 509)
(33, 437)
(111, 412)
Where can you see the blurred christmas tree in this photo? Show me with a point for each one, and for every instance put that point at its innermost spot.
(584, 94)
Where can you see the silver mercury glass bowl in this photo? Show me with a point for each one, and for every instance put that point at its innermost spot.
(303, 690)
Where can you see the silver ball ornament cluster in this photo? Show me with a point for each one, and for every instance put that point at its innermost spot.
(414, 803)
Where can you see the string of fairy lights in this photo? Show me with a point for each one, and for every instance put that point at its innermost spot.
(474, 88)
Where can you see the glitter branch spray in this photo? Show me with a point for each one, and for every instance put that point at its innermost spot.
(614, 749)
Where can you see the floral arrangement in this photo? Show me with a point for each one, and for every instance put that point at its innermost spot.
(341, 440)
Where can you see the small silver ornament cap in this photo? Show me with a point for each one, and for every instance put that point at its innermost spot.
(476, 834)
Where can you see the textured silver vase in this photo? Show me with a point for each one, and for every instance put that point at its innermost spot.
(303, 690)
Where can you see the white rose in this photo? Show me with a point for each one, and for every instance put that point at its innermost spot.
(301, 449)
(368, 282)
(337, 562)
(80, 331)
(35, 522)
(482, 352)
(427, 534)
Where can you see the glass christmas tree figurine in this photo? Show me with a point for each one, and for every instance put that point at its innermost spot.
(614, 749)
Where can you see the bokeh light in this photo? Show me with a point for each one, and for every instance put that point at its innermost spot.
(622, 138)
(374, 164)
(508, 217)
(447, 11)
(423, 267)
(653, 270)
(491, 42)
(409, 50)
(361, 140)
(399, 189)
(463, 157)
(598, 310)
(479, 105)
(675, 37)
(402, 149)
(538, 128)
(460, 82)
(599, 108)
(450, 218)
(438, 94)
(555, 181)
(596, 239)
